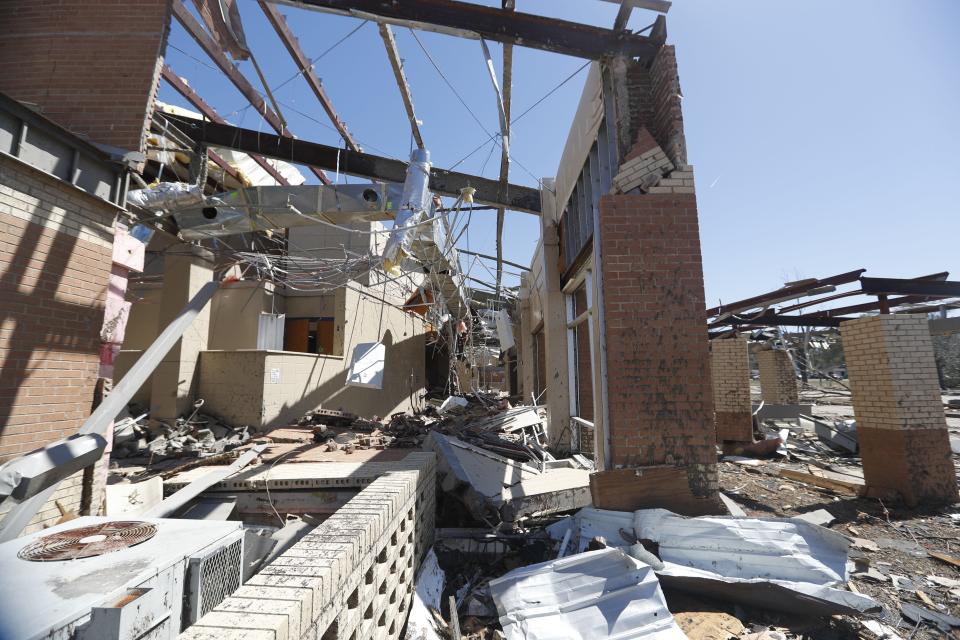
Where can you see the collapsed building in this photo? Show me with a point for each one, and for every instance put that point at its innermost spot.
(342, 377)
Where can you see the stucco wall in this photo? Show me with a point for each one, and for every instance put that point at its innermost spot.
(267, 389)
(235, 313)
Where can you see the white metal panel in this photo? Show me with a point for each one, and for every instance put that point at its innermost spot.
(366, 368)
(599, 594)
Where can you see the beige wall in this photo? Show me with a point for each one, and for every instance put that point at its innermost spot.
(235, 313)
(538, 287)
(144, 320)
(267, 389)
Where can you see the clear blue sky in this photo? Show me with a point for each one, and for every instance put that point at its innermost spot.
(825, 135)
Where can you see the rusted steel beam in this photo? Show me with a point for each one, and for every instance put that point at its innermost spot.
(468, 20)
(212, 49)
(779, 294)
(393, 54)
(306, 68)
(201, 105)
(520, 198)
(894, 286)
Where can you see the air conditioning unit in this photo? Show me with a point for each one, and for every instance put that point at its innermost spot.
(113, 579)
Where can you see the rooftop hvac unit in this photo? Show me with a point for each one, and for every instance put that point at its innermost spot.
(116, 580)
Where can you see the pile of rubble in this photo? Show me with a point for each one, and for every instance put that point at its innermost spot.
(197, 436)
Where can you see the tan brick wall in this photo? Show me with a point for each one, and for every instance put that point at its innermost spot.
(896, 399)
(55, 259)
(350, 578)
(778, 379)
(730, 370)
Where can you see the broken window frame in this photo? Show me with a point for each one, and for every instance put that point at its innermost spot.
(576, 321)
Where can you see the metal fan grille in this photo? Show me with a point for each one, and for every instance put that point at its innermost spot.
(86, 542)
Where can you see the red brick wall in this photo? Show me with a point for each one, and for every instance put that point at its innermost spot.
(659, 387)
(93, 67)
(55, 259)
(655, 103)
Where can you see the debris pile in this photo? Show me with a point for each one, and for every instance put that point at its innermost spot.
(198, 436)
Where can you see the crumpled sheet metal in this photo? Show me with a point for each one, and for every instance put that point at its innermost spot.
(778, 564)
(747, 548)
(421, 624)
(599, 594)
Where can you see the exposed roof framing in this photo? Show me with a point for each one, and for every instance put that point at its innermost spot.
(213, 50)
(785, 293)
(519, 197)
(397, 65)
(199, 103)
(917, 290)
(469, 20)
(306, 68)
(895, 286)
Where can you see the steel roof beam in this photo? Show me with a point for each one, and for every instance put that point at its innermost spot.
(468, 20)
(519, 197)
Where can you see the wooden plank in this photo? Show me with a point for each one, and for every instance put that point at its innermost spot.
(848, 488)
(943, 557)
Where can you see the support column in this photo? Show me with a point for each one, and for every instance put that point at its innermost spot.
(730, 370)
(186, 269)
(896, 398)
(660, 401)
(554, 324)
(525, 353)
(778, 379)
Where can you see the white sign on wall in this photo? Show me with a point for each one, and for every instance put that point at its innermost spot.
(274, 376)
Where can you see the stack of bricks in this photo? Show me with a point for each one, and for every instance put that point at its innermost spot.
(778, 378)
(644, 166)
(730, 370)
(901, 426)
(659, 399)
(351, 578)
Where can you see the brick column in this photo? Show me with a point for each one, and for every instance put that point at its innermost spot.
(525, 352)
(778, 379)
(730, 370)
(896, 399)
(659, 394)
(557, 374)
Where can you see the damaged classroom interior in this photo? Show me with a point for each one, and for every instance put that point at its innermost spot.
(260, 382)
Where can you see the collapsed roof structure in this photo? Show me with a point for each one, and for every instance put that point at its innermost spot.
(244, 400)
